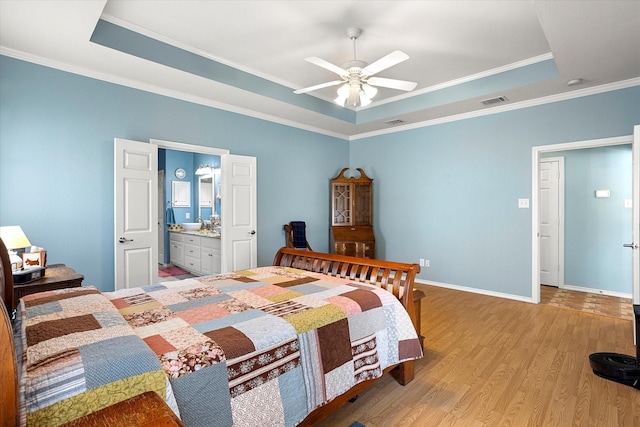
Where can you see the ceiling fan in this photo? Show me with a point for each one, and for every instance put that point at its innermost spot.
(357, 76)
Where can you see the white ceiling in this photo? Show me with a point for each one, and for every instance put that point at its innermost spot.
(449, 43)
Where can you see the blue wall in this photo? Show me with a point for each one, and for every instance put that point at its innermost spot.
(447, 193)
(596, 228)
(56, 162)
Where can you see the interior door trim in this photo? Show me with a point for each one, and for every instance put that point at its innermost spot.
(535, 202)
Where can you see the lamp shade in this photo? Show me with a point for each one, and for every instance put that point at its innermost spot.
(13, 237)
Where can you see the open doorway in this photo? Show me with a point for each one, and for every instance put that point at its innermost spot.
(199, 255)
(585, 263)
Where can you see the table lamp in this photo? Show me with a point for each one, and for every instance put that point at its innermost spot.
(14, 238)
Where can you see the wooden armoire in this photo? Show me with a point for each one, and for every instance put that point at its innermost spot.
(352, 215)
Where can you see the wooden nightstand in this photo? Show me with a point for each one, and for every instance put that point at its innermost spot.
(56, 276)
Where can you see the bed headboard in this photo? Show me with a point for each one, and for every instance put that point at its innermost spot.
(9, 367)
(6, 278)
(396, 277)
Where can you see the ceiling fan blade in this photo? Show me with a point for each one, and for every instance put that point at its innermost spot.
(392, 83)
(394, 58)
(327, 65)
(316, 87)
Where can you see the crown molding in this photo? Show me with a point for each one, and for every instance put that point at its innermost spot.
(594, 90)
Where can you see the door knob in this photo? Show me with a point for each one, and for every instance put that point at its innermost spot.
(630, 245)
(252, 232)
(124, 240)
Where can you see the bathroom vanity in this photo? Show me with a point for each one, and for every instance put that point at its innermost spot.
(198, 252)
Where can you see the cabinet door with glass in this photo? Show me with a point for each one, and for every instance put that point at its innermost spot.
(351, 199)
(351, 215)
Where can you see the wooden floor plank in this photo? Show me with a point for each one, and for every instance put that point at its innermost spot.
(496, 362)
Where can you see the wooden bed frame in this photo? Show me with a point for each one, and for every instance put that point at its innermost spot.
(397, 278)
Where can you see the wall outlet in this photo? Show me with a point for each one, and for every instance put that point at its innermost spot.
(426, 263)
(523, 203)
(187, 215)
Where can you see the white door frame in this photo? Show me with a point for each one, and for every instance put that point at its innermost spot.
(535, 216)
(560, 161)
(199, 149)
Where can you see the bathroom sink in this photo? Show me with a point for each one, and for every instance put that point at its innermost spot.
(191, 226)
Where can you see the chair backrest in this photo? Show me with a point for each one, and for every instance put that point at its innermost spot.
(296, 235)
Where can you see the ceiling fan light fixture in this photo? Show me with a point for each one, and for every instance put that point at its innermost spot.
(356, 74)
(364, 99)
(343, 94)
(369, 90)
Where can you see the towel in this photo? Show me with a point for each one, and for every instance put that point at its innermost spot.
(169, 216)
(299, 234)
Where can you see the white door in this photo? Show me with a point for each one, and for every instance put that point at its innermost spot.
(161, 217)
(635, 215)
(136, 213)
(238, 212)
(550, 222)
(635, 244)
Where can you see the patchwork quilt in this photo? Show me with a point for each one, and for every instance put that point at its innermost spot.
(264, 346)
(76, 355)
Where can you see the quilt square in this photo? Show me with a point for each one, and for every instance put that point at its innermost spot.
(158, 344)
(116, 358)
(233, 342)
(250, 298)
(43, 309)
(265, 331)
(47, 330)
(191, 359)
(335, 345)
(196, 293)
(315, 317)
(298, 282)
(183, 337)
(266, 407)
(59, 295)
(204, 313)
(149, 316)
(365, 298)
(202, 390)
(254, 369)
(365, 359)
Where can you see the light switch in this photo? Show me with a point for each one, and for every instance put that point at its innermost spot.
(523, 203)
(603, 194)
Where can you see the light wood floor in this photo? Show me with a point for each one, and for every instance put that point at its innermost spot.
(495, 362)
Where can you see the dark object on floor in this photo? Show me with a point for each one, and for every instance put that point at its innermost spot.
(620, 368)
(357, 424)
(616, 367)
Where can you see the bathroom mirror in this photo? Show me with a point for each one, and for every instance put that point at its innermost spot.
(206, 196)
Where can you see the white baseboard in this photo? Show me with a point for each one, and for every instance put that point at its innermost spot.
(475, 290)
(597, 291)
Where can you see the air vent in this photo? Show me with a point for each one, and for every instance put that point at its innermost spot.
(394, 122)
(496, 100)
